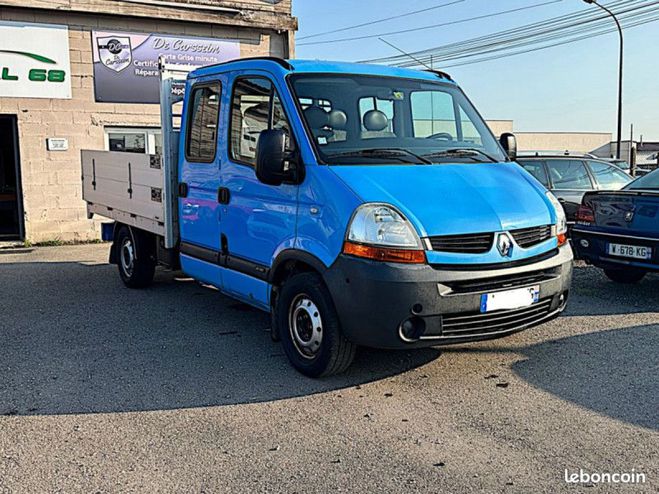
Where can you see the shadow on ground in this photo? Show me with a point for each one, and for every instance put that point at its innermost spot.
(613, 373)
(74, 340)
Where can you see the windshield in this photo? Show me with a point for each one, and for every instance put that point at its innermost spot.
(647, 182)
(373, 120)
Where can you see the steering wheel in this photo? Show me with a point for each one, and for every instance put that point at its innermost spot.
(445, 136)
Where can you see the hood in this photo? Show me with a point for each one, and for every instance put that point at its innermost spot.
(451, 199)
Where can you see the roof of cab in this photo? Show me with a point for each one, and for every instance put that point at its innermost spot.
(319, 67)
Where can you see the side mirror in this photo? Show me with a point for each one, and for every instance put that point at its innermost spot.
(272, 158)
(509, 145)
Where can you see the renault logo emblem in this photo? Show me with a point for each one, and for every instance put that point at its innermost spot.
(505, 244)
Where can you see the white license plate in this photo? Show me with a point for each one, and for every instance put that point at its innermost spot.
(631, 251)
(510, 299)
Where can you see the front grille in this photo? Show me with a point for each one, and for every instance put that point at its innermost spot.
(478, 324)
(475, 243)
(503, 282)
(528, 237)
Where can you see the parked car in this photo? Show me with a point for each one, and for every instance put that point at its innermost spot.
(357, 204)
(619, 231)
(569, 177)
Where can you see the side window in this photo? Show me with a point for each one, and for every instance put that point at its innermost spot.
(608, 176)
(255, 107)
(202, 127)
(537, 169)
(569, 174)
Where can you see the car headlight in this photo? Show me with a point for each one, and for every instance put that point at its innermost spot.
(379, 232)
(561, 219)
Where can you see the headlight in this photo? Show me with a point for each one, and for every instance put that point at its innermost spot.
(378, 231)
(561, 219)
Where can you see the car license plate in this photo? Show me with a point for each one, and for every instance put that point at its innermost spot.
(630, 251)
(510, 299)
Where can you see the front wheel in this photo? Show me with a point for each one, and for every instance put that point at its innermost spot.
(626, 276)
(309, 327)
(136, 264)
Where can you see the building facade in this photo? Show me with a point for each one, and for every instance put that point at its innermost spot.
(82, 74)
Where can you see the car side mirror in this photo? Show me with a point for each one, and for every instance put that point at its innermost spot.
(509, 144)
(274, 162)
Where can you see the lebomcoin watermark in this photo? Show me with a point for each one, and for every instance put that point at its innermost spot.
(582, 477)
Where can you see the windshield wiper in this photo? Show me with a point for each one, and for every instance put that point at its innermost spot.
(392, 153)
(461, 153)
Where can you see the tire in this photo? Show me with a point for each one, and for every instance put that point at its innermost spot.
(134, 259)
(309, 327)
(626, 276)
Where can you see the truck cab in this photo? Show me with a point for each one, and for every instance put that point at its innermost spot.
(359, 205)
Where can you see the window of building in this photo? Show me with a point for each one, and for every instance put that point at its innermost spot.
(256, 107)
(203, 120)
(133, 140)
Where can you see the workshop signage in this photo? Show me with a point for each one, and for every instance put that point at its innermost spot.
(126, 64)
(34, 61)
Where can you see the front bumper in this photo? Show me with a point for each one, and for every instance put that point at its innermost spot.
(595, 250)
(374, 299)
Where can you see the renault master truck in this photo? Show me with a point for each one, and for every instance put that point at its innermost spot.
(359, 205)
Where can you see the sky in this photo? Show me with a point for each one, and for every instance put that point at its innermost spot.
(569, 88)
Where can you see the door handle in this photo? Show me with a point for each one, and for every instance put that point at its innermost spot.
(223, 195)
(182, 189)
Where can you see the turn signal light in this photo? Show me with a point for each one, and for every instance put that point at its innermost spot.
(585, 214)
(562, 239)
(384, 254)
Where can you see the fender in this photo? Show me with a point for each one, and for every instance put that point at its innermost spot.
(295, 255)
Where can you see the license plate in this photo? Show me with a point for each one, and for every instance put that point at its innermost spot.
(510, 299)
(630, 251)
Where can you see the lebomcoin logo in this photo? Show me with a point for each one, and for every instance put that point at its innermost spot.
(34, 74)
(115, 52)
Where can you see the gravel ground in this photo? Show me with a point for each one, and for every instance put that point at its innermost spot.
(179, 389)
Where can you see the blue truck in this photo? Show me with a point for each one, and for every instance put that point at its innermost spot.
(619, 231)
(359, 205)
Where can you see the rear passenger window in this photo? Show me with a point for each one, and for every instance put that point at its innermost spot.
(569, 174)
(202, 127)
(608, 176)
(255, 107)
(537, 169)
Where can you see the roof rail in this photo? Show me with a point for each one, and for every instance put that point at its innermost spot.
(280, 61)
(567, 152)
(440, 73)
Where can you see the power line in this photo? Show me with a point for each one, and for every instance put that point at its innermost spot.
(539, 37)
(573, 24)
(433, 26)
(525, 31)
(646, 20)
(378, 21)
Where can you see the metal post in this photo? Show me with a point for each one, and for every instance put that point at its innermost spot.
(619, 74)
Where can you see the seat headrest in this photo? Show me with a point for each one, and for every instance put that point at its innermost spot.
(338, 120)
(317, 118)
(375, 121)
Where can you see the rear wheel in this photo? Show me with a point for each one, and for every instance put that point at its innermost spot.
(627, 276)
(134, 259)
(309, 327)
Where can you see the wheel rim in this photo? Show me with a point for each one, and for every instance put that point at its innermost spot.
(305, 326)
(127, 257)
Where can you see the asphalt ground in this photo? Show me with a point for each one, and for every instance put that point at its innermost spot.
(178, 388)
